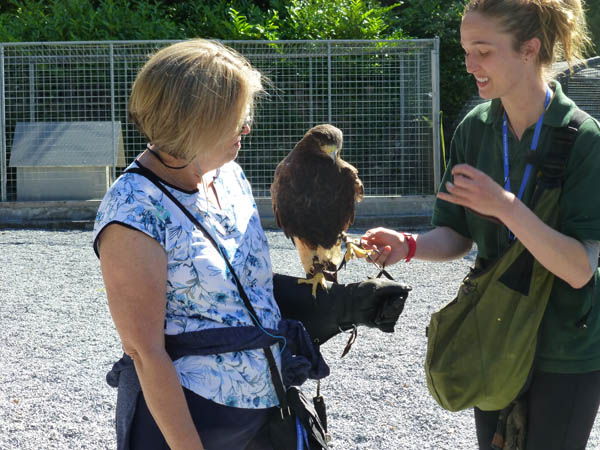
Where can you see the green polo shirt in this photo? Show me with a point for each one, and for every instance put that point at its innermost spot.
(570, 331)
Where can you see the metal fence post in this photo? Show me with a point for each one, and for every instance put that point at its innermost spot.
(112, 111)
(435, 90)
(3, 175)
(32, 103)
(311, 116)
(329, 81)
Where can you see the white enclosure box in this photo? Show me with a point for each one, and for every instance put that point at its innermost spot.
(65, 160)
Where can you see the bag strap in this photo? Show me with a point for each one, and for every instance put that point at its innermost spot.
(275, 375)
(553, 163)
(563, 139)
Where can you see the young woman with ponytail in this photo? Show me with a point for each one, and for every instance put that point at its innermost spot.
(510, 46)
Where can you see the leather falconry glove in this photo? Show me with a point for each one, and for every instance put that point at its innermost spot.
(374, 303)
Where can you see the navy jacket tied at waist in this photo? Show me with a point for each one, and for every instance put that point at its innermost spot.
(300, 359)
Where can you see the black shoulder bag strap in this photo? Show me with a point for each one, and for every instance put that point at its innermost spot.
(553, 163)
(568, 137)
(563, 139)
(275, 375)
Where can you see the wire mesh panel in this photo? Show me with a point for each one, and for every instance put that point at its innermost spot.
(583, 86)
(55, 84)
(379, 93)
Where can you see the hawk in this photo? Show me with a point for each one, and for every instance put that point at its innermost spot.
(314, 193)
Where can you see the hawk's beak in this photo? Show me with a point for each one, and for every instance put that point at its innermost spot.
(331, 150)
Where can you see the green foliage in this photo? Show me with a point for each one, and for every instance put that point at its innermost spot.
(341, 19)
(81, 20)
(295, 19)
(76, 20)
(593, 21)
(220, 19)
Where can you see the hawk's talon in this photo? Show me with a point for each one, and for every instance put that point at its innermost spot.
(317, 280)
(355, 251)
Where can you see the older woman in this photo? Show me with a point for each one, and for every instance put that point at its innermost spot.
(164, 277)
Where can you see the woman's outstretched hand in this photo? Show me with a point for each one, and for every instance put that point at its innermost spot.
(389, 246)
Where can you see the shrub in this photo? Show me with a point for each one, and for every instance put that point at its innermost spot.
(82, 20)
(295, 19)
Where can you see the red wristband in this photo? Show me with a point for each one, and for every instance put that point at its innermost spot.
(412, 246)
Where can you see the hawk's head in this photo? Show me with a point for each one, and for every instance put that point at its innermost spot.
(328, 138)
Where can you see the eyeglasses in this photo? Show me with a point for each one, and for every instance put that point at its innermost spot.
(247, 123)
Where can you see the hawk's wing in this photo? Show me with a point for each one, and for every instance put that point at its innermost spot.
(277, 195)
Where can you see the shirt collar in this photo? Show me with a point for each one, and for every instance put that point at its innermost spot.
(558, 114)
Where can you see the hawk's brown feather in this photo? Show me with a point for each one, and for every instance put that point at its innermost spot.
(313, 195)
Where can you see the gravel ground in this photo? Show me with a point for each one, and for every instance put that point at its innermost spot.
(57, 341)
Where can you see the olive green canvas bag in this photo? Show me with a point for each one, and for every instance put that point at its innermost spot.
(481, 346)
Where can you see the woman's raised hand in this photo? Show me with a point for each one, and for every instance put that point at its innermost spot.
(389, 246)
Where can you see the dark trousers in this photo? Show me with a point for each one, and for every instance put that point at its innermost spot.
(561, 412)
(219, 426)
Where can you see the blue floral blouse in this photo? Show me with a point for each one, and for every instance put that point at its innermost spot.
(200, 295)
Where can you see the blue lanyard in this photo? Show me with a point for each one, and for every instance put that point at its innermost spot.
(301, 436)
(534, 143)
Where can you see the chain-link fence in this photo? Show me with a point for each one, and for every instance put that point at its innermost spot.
(65, 133)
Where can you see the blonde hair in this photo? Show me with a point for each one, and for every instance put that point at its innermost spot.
(558, 24)
(192, 95)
